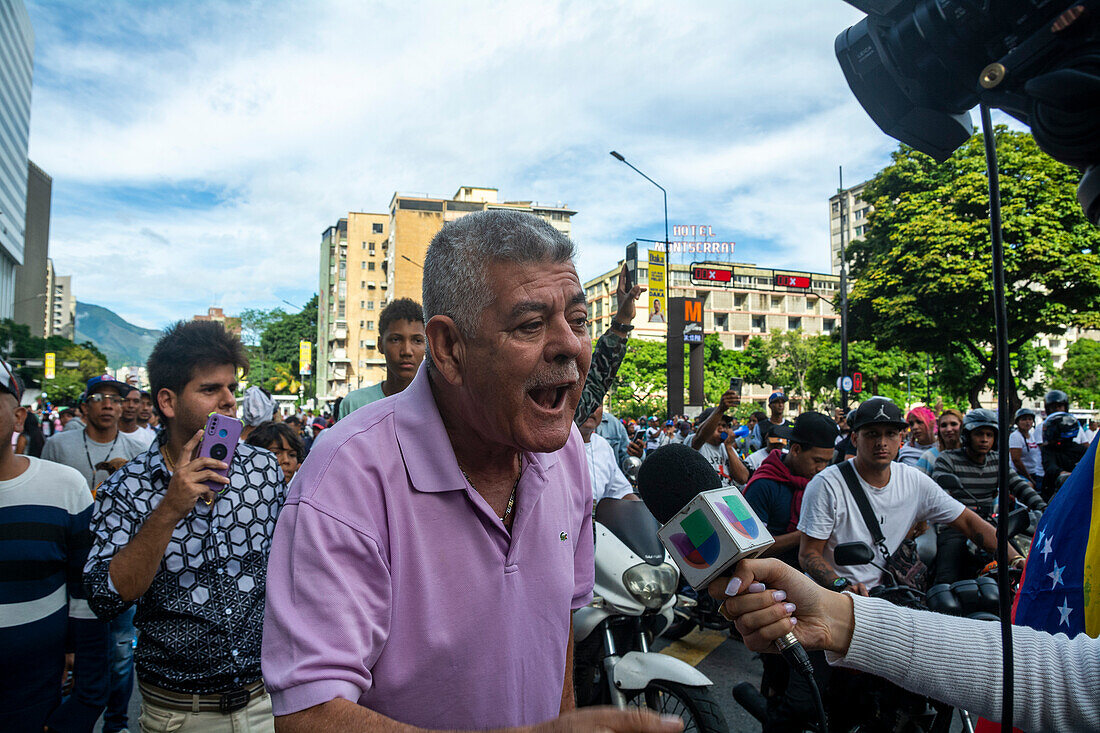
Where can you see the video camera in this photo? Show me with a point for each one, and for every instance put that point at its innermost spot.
(918, 66)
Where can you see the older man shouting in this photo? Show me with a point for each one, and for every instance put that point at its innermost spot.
(432, 548)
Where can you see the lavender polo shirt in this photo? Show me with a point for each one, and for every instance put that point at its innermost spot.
(392, 583)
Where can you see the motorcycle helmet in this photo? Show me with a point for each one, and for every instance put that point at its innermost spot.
(1054, 398)
(1023, 412)
(1060, 430)
(979, 418)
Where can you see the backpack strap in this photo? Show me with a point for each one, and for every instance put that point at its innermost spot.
(848, 471)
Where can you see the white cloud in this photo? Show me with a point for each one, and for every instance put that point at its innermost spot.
(298, 115)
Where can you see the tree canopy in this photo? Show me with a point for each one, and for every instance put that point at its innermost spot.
(923, 273)
(272, 337)
(68, 383)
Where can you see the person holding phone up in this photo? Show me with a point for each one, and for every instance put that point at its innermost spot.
(716, 442)
(194, 560)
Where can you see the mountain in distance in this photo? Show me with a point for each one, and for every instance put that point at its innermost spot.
(123, 343)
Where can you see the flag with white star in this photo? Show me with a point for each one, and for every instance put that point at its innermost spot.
(1060, 591)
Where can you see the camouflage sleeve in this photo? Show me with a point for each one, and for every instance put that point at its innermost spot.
(606, 358)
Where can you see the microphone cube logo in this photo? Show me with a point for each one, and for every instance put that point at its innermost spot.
(698, 544)
(734, 511)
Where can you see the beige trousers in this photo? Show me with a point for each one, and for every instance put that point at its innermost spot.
(256, 717)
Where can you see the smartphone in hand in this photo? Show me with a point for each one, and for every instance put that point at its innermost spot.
(219, 441)
(735, 385)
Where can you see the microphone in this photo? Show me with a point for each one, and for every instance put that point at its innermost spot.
(707, 528)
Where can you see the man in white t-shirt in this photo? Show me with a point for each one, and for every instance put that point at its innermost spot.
(772, 442)
(715, 441)
(900, 495)
(607, 478)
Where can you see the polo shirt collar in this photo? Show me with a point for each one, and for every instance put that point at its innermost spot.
(426, 448)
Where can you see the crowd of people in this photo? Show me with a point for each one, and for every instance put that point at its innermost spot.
(412, 557)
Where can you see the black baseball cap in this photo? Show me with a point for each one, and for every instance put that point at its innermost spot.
(819, 431)
(878, 411)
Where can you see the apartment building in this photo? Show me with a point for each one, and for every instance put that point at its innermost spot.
(370, 259)
(848, 213)
(60, 304)
(17, 62)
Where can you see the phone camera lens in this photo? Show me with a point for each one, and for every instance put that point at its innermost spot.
(218, 451)
(222, 433)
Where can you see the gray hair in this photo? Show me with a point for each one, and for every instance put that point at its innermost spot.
(459, 256)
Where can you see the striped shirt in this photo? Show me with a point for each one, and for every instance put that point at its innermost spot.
(980, 480)
(44, 541)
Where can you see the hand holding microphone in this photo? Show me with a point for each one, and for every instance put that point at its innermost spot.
(756, 599)
(710, 530)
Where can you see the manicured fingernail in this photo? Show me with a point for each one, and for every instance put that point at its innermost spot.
(789, 607)
(756, 588)
(733, 587)
(794, 621)
(779, 595)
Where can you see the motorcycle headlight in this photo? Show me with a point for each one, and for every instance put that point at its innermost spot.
(651, 585)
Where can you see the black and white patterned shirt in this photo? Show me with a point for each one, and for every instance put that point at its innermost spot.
(202, 617)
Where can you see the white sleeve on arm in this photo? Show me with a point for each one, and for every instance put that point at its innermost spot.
(958, 661)
(818, 517)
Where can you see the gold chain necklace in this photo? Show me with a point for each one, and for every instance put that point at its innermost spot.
(168, 462)
(511, 498)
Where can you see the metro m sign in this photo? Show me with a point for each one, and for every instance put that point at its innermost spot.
(693, 320)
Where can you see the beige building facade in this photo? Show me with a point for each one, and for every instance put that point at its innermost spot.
(753, 305)
(60, 304)
(848, 213)
(370, 259)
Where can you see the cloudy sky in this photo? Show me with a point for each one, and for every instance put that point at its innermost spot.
(199, 149)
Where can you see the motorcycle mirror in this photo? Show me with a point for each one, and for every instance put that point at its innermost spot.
(853, 553)
(950, 483)
(630, 467)
(1019, 519)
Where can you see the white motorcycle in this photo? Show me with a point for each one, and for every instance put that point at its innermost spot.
(634, 595)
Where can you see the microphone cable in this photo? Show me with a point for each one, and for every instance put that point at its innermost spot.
(799, 661)
(1000, 314)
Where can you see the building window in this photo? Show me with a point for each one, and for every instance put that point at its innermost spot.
(370, 325)
(372, 247)
(777, 303)
(739, 301)
(738, 342)
(364, 245)
(376, 228)
(827, 325)
(361, 324)
(758, 324)
(363, 265)
(721, 321)
(362, 344)
(370, 305)
(836, 207)
(362, 304)
(370, 265)
(794, 323)
(362, 283)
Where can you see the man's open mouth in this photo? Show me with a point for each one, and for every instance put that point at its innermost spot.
(549, 398)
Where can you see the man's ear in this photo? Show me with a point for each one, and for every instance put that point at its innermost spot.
(167, 401)
(447, 348)
(20, 418)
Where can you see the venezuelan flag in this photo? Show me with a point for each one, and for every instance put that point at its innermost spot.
(1060, 592)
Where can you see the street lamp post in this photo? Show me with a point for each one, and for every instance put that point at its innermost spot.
(664, 193)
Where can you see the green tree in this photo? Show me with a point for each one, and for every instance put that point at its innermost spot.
(18, 345)
(272, 337)
(639, 387)
(1079, 377)
(923, 273)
